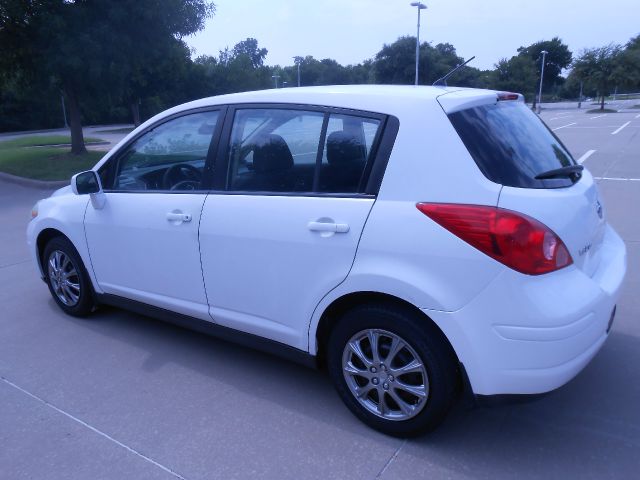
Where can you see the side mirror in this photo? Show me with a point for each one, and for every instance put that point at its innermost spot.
(85, 182)
(89, 183)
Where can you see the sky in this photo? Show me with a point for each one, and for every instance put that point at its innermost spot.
(351, 31)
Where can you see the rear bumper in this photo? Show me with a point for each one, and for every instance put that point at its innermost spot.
(530, 335)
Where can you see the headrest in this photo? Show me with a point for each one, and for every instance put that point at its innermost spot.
(272, 154)
(344, 148)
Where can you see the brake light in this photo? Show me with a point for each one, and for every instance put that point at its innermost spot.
(507, 96)
(514, 239)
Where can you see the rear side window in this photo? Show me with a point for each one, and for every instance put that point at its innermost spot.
(511, 145)
(280, 150)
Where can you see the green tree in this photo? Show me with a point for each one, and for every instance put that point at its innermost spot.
(87, 46)
(249, 47)
(628, 70)
(557, 59)
(395, 64)
(515, 75)
(599, 68)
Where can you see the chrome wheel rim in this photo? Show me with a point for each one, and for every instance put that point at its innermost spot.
(385, 374)
(64, 278)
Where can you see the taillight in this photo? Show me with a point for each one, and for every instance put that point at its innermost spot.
(514, 239)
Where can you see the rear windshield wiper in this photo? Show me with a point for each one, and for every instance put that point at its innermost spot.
(568, 171)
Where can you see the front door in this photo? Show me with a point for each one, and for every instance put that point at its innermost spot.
(144, 242)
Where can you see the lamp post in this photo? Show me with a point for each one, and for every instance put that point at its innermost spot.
(544, 55)
(419, 6)
(276, 77)
(298, 60)
(64, 111)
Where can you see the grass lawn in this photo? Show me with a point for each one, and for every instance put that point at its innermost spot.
(117, 130)
(598, 110)
(26, 157)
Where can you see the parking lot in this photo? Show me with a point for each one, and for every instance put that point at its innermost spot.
(121, 396)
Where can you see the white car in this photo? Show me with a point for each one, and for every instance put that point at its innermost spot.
(415, 240)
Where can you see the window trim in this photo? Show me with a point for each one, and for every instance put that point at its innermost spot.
(371, 180)
(208, 172)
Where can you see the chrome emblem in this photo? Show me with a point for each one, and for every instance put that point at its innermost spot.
(599, 208)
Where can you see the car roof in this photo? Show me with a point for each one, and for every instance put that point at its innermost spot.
(375, 98)
(386, 99)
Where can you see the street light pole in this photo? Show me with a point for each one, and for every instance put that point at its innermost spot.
(64, 111)
(580, 97)
(297, 60)
(419, 6)
(544, 54)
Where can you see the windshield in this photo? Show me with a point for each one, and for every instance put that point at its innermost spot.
(511, 145)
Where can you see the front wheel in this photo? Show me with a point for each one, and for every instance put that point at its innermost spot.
(67, 278)
(393, 369)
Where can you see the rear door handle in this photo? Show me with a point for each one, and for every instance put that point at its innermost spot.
(328, 227)
(178, 217)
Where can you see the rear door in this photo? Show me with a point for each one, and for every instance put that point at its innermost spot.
(283, 227)
(512, 147)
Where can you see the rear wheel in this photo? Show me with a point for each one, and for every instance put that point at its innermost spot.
(67, 278)
(392, 368)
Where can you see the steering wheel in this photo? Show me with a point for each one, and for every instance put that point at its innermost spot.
(181, 176)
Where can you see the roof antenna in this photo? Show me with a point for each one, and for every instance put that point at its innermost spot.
(444, 79)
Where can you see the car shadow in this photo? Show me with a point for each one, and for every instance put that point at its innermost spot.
(591, 425)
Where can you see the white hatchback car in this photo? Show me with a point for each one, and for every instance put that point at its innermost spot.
(415, 240)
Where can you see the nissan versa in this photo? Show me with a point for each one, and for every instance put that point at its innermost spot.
(417, 241)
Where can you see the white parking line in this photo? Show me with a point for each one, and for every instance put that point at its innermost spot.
(598, 116)
(618, 179)
(638, 116)
(93, 429)
(564, 126)
(613, 133)
(584, 157)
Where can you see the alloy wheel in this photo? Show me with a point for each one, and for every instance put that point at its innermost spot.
(385, 374)
(64, 278)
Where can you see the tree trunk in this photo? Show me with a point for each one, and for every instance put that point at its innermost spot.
(135, 112)
(602, 102)
(75, 122)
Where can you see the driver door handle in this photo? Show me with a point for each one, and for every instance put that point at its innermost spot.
(178, 217)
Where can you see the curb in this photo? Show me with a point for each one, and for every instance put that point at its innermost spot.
(30, 182)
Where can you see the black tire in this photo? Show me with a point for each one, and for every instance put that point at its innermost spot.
(85, 294)
(424, 339)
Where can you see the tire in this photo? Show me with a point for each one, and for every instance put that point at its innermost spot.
(414, 402)
(67, 277)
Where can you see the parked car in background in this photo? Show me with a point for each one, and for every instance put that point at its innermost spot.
(416, 241)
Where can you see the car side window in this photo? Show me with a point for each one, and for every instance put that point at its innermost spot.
(172, 156)
(347, 148)
(274, 150)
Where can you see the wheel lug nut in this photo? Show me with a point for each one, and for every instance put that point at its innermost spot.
(375, 381)
(391, 378)
(374, 369)
(385, 386)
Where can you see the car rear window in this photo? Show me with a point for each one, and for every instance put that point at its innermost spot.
(511, 145)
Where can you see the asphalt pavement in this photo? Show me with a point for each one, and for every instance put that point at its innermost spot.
(121, 396)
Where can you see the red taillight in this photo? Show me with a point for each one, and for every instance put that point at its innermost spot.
(507, 96)
(514, 239)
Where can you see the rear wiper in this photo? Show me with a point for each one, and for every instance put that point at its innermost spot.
(568, 171)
